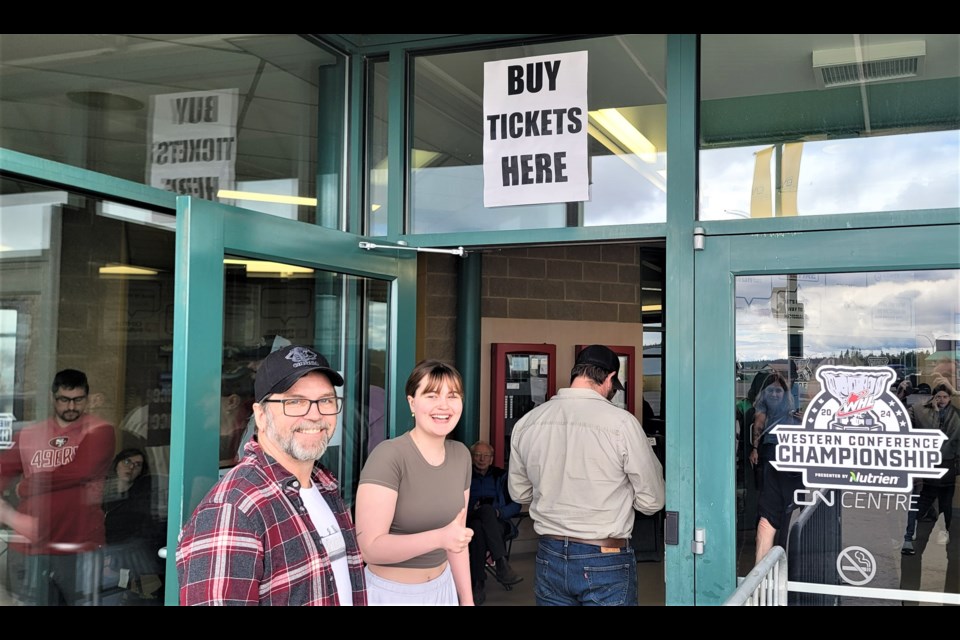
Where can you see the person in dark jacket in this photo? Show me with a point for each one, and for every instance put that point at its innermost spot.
(132, 535)
(489, 513)
(940, 413)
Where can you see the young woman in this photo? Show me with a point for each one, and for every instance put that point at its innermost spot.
(412, 499)
(774, 407)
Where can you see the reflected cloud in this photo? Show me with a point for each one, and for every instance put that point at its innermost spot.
(906, 172)
(871, 312)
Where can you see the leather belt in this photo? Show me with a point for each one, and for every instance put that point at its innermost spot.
(616, 543)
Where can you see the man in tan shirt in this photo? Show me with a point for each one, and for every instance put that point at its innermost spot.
(584, 465)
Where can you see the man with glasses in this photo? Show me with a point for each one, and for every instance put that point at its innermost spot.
(61, 465)
(274, 530)
(489, 513)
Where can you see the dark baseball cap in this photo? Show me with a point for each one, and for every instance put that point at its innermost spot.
(285, 366)
(604, 358)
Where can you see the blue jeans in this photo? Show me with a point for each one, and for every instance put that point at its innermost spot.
(574, 574)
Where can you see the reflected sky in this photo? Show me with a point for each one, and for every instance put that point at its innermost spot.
(889, 311)
(883, 173)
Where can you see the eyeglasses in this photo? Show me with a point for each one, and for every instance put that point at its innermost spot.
(67, 399)
(297, 407)
(483, 456)
(130, 462)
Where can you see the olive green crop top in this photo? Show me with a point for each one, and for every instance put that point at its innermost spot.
(428, 497)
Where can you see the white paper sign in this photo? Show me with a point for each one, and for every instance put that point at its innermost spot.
(535, 130)
(193, 142)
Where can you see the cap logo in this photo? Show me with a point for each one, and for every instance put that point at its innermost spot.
(301, 357)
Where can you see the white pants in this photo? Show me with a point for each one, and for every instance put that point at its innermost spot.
(439, 592)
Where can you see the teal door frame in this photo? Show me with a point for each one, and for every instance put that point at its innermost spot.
(716, 268)
(206, 233)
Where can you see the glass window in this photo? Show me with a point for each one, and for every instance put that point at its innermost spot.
(86, 330)
(627, 83)
(652, 298)
(378, 120)
(195, 114)
(807, 124)
(848, 420)
(268, 305)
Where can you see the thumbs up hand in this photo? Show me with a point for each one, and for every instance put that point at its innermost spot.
(456, 535)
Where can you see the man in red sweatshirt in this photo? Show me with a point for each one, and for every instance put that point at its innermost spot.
(58, 526)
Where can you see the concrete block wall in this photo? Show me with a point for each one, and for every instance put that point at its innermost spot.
(578, 283)
(437, 312)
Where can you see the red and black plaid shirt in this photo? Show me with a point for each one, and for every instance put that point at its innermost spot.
(251, 541)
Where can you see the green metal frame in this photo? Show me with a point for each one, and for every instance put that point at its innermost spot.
(468, 345)
(206, 232)
(723, 259)
(682, 94)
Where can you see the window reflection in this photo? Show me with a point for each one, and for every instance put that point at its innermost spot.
(190, 113)
(775, 142)
(627, 98)
(269, 305)
(378, 119)
(832, 338)
(86, 288)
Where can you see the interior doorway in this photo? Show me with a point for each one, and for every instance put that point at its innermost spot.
(562, 297)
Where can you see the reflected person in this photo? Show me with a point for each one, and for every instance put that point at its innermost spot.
(774, 407)
(63, 462)
(937, 413)
(133, 536)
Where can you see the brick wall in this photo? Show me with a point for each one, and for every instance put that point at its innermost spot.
(579, 283)
(437, 307)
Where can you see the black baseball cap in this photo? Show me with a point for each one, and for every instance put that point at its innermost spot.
(283, 367)
(604, 358)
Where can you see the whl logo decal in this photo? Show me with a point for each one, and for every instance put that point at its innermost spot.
(857, 435)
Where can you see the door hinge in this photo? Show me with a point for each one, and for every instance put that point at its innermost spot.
(699, 238)
(699, 541)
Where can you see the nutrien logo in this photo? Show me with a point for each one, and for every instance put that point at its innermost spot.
(856, 434)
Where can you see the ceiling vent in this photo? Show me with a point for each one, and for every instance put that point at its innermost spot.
(870, 63)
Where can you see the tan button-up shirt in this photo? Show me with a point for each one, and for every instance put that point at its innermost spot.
(583, 464)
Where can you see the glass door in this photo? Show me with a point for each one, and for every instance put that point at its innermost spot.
(248, 283)
(799, 423)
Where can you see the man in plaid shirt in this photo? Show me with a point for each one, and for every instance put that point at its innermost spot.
(274, 530)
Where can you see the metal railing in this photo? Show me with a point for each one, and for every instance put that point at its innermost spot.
(765, 585)
(813, 547)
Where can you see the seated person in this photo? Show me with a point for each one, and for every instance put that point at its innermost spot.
(132, 535)
(489, 513)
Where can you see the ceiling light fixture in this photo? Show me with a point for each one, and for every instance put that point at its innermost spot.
(226, 194)
(115, 269)
(613, 122)
(267, 268)
(656, 178)
(104, 101)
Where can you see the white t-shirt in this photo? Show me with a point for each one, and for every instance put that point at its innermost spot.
(332, 539)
